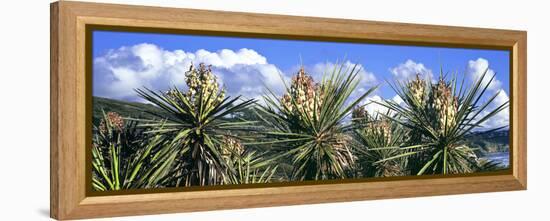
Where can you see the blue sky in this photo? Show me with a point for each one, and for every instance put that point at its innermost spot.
(123, 61)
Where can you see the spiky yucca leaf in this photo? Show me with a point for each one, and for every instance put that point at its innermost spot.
(307, 123)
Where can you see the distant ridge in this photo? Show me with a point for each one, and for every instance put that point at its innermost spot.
(124, 108)
(491, 142)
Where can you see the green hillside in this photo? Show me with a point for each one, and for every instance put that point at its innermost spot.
(126, 109)
(490, 142)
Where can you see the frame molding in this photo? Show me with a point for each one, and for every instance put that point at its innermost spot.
(68, 199)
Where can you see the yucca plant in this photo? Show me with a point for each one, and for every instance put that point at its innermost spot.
(374, 134)
(440, 116)
(123, 157)
(197, 122)
(307, 124)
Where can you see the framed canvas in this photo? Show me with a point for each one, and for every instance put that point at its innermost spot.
(162, 110)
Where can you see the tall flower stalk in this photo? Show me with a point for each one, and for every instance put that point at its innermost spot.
(304, 99)
(198, 122)
(439, 116)
(307, 124)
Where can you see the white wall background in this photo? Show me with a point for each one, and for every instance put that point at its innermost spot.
(24, 109)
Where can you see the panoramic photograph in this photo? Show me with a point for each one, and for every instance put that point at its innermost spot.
(175, 110)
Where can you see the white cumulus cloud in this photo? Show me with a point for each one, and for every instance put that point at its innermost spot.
(373, 106)
(409, 69)
(397, 99)
(477, 68)
(366, 79)
(118, 72)
(500, 119)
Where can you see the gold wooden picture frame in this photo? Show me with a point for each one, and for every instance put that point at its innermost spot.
(70, 193)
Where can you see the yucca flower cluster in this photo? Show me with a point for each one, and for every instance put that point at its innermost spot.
(440, 102)
(372, 126)
(202, 82)
(376, 133)
(115, 121)
(306, 94)
(231, 148)
(359, 115)
(380, 128)
(417, 88)
(443, 105)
